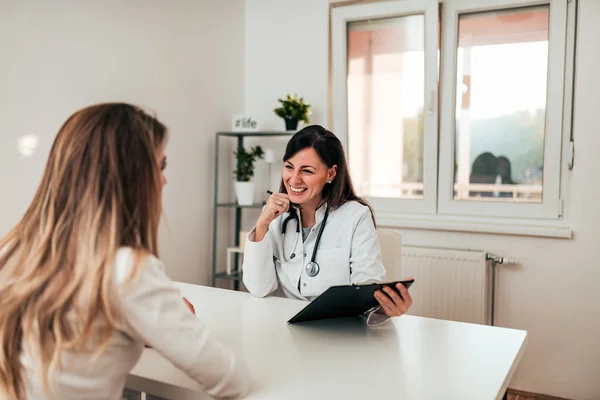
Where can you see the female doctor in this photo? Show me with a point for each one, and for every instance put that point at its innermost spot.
(317, 233)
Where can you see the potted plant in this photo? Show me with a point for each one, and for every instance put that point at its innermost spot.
(244, 189)
(292, 110)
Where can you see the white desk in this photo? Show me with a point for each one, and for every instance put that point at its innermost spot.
(409, 358)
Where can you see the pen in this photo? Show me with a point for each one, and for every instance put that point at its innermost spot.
(291, 204)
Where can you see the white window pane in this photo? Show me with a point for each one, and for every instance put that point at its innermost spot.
(385, 89)
(502, 64)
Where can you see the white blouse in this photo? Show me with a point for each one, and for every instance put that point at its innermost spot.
(153, 313)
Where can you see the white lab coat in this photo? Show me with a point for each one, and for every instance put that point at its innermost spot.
(349, 253)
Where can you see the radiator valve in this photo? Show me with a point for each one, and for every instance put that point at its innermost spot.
(501, 260)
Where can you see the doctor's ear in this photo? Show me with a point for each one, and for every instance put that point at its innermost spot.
(331, 174)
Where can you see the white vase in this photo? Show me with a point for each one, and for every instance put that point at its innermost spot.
(244, 192)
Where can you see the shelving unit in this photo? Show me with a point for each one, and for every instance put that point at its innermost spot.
(236, 274)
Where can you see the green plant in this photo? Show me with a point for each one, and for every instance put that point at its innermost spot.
(246, 161)
(293, 108)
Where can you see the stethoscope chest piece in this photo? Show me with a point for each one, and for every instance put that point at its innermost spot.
(312, 269)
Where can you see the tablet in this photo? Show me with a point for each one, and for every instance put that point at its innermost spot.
(343, 301)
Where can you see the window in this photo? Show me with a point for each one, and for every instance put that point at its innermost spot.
(385, 66)
(386, 80)
(500, 72)
(502, 61)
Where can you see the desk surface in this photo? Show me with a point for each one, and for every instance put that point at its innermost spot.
(409, 358)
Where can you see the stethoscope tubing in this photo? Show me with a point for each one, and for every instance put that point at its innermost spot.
(312, 268)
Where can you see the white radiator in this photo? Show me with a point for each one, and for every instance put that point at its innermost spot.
(449, 284)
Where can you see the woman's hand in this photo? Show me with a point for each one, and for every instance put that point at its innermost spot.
(190, 306)
(277, 204)
(392, 303)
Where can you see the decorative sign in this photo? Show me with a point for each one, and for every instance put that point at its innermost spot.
(242, 123)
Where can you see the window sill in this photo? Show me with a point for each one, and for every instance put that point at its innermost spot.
(516, 227)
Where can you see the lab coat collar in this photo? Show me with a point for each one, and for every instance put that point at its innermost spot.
(320, 213)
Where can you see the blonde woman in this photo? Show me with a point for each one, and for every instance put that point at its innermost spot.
(82, 289)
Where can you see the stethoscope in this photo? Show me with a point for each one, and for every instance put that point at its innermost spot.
(312, 268)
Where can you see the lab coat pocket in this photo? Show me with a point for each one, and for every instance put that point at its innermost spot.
(334, 269)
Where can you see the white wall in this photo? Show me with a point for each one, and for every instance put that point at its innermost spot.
(184, 59)
(554, 293)
(286, 52)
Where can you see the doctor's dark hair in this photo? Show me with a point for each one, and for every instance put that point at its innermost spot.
(331, 152)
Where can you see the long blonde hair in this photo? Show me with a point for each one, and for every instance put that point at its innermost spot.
(101, 190)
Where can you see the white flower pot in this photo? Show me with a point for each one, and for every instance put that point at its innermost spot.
(244, 192)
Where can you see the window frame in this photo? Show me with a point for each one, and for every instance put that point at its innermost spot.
(550, 207)
(340, 18)
(546, 219)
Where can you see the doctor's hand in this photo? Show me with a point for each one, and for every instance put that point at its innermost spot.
(392, 303)
(277, 204)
